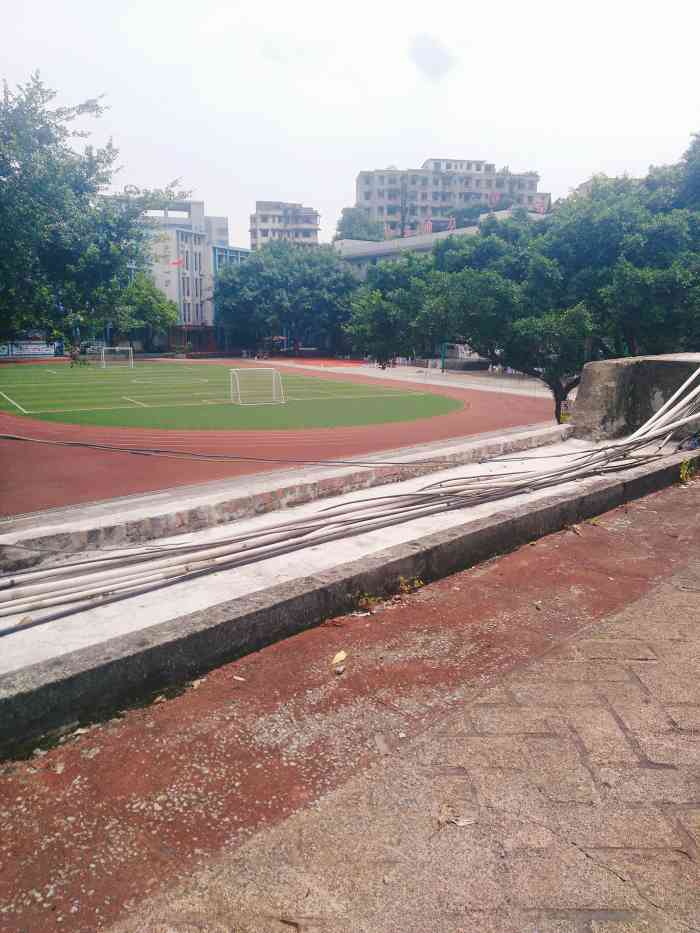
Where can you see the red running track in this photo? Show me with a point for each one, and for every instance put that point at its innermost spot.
(34, 477)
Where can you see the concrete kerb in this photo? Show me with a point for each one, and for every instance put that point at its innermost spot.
(78, 686)
(30, 539)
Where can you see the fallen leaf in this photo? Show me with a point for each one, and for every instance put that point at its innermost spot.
(339, 658)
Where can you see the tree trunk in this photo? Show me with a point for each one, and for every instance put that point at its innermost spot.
(557, 409)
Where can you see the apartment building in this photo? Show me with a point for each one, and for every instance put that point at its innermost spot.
(281, 220)
(407, 201)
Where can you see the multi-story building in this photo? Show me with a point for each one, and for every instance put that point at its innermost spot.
(407, 201)
(281, 220)
(189, 249)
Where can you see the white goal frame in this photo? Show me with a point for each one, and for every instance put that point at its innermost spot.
(106, 354)
(269, 388)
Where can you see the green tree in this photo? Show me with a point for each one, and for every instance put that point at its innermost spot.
(354, 224)
(300, 292)
(141, 306)
(553, 347)
(377, 326)
(66, 249)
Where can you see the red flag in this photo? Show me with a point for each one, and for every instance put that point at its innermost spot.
(452, 223)
(177, 262)
(428, 226)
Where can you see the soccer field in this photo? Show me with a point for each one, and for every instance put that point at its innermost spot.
(190, 396)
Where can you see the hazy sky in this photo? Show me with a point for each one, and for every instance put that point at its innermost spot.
(289, 99)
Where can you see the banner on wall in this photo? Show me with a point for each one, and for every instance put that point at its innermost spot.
(27, 348)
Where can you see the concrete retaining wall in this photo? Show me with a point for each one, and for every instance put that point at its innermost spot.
(79, 685)
(617, 396)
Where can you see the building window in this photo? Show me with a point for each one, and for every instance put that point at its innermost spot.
(264, 233)
(187, 260)
(368, 179)
(424, 195)
(424, 181)
(489, 183)
(469, 166)
(368, 195)
(477, 183)
(380, 180)
(380, 212)
(448, 166)
(437, 166)
(477, 166)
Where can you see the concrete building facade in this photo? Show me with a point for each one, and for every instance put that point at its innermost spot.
(282, 220)
(189, 249)
(407, 201)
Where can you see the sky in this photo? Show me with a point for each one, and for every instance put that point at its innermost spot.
(286, 100)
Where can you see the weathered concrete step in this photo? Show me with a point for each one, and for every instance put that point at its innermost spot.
(30, 539)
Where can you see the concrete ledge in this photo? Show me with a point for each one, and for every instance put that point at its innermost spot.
(28, 540)
(618, 396)
(79, 685)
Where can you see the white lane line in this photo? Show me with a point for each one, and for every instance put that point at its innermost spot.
(16, 404)
(135, 401)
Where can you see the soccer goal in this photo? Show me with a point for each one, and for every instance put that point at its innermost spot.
(257, 386)
(116, 356)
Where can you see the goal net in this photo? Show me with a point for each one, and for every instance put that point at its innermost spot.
(116, 356)
(257, 386)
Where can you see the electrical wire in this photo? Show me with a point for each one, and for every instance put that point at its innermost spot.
(76, 586)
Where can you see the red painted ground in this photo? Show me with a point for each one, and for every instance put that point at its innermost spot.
(34, 477)
(128, 807)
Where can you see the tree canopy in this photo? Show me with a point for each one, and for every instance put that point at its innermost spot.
(354, 224)
(67, 250)
(301, 293)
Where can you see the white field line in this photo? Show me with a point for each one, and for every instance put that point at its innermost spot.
(62, 411)
(13, 402)
(135, 401)
(54, 372)
(209, 401)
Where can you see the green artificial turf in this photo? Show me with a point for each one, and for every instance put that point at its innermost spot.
(184, 396)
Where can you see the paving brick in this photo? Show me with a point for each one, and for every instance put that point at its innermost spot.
(650, 785)
(603, 738)
(666, 878)
(691, 821)
(685, 717)
(512, 720)
(672, 749)
(573, 671)
(614, 825)
(670, 683)
(640, 924)
(596, 649)
(561, 878)
(643, 717)
(545, 693)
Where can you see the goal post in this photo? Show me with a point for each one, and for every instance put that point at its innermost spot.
(116, 356)
(257, 386)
